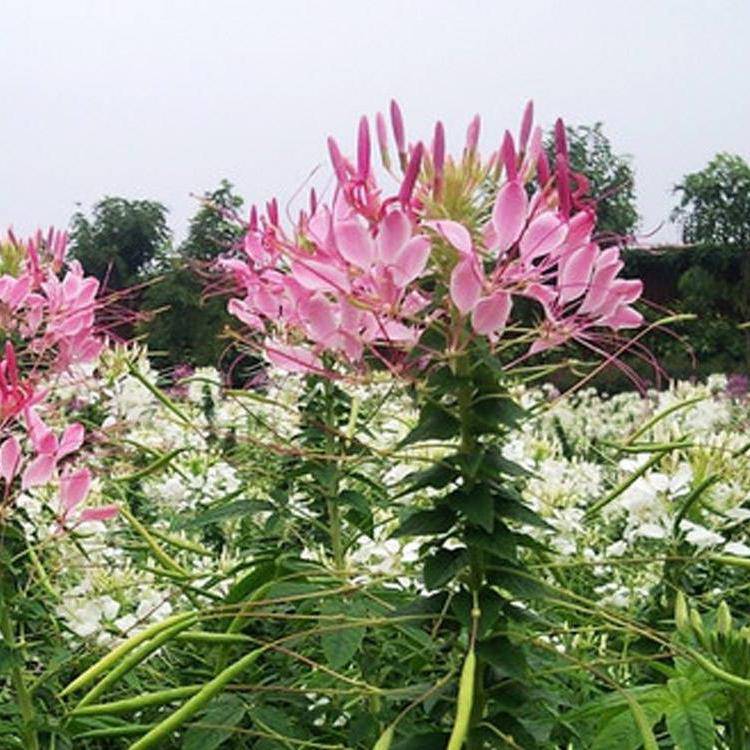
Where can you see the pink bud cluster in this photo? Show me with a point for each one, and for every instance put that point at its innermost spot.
(47, 319)
(454, 244)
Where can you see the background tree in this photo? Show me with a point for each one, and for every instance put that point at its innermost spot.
(120, 239)
(714, 204)
(187, 327)
(611, 177)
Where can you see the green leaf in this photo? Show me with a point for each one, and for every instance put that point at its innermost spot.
(689, 719)
(518, 581)
(360, 510)
(494, 464)
(504, 656)
(340, 645)
(444, 565)
(431, 741)
(477, 505)
(490, 607)
(493, 413)
(220, 513)
(501, 542)
(275, 721)
(622, 731)
(222, 714)
(436, 476)
(427, 522)
(508, 505)
(435, 423)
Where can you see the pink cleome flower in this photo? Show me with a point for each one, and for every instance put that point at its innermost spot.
(47, 318)
(457, 242)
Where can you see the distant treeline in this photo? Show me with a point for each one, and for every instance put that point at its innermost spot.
(710, 281)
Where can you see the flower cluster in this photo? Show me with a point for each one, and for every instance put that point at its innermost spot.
(453, 246)
(47, 322)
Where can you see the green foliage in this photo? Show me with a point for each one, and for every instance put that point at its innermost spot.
(212, 230)
(120, 239)
(183, 326)
(186, 324)
(611, 177)
(714, 203)
(709, 281)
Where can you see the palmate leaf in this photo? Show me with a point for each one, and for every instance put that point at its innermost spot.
(689, 719)
(622, 731)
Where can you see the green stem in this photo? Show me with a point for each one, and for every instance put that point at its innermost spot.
(25, 703)
(468, 446)
(332, 499)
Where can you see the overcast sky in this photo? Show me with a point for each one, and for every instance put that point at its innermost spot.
(158, 99)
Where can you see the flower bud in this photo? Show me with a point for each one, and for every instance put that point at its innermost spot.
(681, 612)
(724, 619)
(697, 624)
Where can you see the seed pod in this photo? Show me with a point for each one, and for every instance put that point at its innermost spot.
(724, 619)
(386, 739)
(464, 703)
(681, 614)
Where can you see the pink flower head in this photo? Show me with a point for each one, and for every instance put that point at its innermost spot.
(454, 243)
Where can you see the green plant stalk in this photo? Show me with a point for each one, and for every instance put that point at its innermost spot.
(468, 446)
(25, 702)
(332, 505)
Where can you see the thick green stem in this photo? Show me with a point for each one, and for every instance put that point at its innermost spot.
(468, 446)
(25, 703)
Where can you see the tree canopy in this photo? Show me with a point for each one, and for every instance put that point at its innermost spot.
(120, 239)
(714, 203)
(188, 325)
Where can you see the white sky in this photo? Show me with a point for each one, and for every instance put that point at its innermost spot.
(159, 99)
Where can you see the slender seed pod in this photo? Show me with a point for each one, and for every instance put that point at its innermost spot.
(385, 740)
(464, 703)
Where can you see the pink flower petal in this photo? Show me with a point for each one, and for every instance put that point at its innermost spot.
(39, 471)
(74, 487)
(576, 271)
(599, 288)
(491, 313)
(453, 232)
(466, 285)
(10, 456)
(320, 276)
(101, 513)
(411, 261)
(509, 214)
(71, 440)
(395, 230)
(355, 244)
(292, 358)
(318, 313)
(623, 317)
(544, 234)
